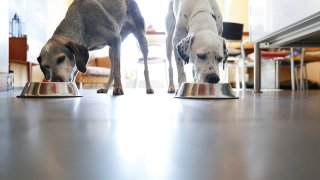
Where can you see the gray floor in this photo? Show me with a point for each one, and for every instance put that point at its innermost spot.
(268, 136)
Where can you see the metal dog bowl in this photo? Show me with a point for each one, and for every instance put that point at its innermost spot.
(206, 91)
(50, 89)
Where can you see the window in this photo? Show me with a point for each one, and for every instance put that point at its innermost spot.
(154, 13)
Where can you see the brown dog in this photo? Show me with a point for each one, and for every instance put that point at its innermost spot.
(90, 25)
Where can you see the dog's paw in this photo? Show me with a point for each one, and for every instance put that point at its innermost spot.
(171, 89)
(150, 91)
(118, 91)
(102, 90)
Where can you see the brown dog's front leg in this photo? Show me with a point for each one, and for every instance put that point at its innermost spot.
(115, 54)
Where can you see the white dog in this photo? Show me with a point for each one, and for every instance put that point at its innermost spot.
(194, 29)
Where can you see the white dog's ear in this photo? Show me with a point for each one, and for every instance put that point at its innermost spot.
(225, 53)
(184, 47)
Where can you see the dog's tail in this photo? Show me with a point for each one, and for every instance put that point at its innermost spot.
(134, 12)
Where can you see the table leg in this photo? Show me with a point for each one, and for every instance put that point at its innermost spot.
(29, 71)
(257, 69)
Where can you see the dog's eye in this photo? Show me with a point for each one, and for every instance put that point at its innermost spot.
(60, 59)
(39, 59)
(46, 66)
(219, 59)
(202, 56)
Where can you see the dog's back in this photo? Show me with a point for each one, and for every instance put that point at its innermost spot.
(188, 8)
(134, 13)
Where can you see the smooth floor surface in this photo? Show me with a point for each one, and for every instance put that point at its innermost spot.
(274, 135)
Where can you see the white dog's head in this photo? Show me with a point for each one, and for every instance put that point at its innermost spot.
(60, 58)
(206, 50)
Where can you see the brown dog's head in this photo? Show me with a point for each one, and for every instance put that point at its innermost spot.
(61, 57)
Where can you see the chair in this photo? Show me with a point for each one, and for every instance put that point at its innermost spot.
(156, 55)
(275, 55)
(301, 57)
(98, 72)
(233, 33)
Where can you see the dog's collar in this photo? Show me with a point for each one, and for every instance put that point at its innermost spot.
(203, 11)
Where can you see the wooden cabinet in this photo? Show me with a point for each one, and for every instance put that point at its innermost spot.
(18, 49)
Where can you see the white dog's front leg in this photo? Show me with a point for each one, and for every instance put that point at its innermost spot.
(171, 88)
(179, 34)
(181, 73)
(179, 63)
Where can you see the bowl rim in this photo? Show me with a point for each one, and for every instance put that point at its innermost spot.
(180, 95)
(24, 95)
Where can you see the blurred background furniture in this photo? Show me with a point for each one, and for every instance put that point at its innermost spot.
(18, 53)
(271, 28)
(157, 61)
(233, 33)
(98, 72)
(302, 57)
(276, 55)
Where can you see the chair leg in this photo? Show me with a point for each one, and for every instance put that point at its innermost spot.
(80, 85)
(137, 76)
(305, 77)
(243, 74)
(277, 83)
(165, 74)
(292, 69)
(296, 77)
(237, 76)
(302, 87)
(226, 72)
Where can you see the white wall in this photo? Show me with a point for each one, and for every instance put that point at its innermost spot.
(56, 11)
(4, 36)
(268, 16)
(235, 11)
(154, 12)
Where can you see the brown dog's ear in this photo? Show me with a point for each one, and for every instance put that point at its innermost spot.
(44, 70)
(225, 53)
(184, 48)
(81, 54)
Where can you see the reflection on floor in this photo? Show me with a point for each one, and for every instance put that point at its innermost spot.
(272, 135)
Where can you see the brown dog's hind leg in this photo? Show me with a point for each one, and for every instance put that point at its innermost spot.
(144, 49)
(136, 26)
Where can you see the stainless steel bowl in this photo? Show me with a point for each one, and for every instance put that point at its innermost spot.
(206, 91)
(50, 89)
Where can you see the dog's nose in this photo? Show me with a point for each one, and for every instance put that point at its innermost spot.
(212, 78)
(57, 79)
